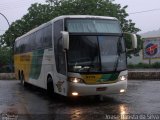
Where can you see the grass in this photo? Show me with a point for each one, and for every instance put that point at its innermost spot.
(144, 65)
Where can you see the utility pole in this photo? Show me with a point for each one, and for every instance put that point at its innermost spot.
(5, 19)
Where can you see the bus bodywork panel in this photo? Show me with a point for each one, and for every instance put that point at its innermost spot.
(23, 63)
(34, 65)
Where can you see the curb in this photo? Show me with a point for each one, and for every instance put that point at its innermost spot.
(144, 75)
(7, 76)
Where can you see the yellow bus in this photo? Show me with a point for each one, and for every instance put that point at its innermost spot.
(74, 55)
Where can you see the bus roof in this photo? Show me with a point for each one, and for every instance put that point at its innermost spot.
(63, 17)
(83, 16)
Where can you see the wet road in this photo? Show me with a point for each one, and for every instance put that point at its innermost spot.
(142, 97)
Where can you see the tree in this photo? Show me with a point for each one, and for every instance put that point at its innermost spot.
(40, 13)
(5, 59)
(37, 15)
(98, 7)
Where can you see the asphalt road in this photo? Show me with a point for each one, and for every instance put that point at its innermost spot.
(142, 97)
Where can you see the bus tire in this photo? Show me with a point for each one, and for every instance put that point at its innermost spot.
(19, 75)
(22, 79)
(50, 87)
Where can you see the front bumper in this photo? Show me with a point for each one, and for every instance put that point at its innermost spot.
(85, 89)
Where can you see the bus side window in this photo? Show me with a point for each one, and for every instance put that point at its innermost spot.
(25, 44)
(32, 39)
(28, 48)
(47, 41)
(58, 48)
(21, 46)
(39, 39)
(16, 47)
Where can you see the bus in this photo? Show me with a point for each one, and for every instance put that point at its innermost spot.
(74, 55)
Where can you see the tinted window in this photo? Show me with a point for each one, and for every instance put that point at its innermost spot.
(32, 40)
(17, 47)
(47, 40)
(93, 25)
(22, 45)
(28, 48)
(40, 39)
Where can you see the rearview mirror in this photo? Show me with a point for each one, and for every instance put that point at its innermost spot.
(131, 39)
(65, 39)
(134, 41)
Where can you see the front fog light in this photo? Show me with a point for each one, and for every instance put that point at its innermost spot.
(122, 90)
(75, 80)
(123, 77)
(75, 94)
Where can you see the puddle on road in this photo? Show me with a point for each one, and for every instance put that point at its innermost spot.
(9, 113)
(5, 116)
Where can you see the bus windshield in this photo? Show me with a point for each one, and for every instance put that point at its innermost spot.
(96, 53)
(93, 26)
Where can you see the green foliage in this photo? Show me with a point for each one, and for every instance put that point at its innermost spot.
(5, 59)
(4, 54)
(144, 65)
(41, 13)
(37, 14)
(98, 7)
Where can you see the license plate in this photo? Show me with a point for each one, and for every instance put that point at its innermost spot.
(101, 89)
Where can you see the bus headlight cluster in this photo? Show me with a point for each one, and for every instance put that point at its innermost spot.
(123, 77)
(75, 80)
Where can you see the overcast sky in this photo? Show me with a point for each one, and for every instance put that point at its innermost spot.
(146, 21)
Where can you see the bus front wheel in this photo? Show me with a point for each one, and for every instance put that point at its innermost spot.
(50, 87)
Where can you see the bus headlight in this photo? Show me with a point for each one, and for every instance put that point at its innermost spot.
(123, 77)
(75, 80)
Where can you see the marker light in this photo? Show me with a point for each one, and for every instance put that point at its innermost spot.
(75, 94)
(123, 77)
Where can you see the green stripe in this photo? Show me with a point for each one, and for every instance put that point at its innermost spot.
(37, 57)
(108, 77)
